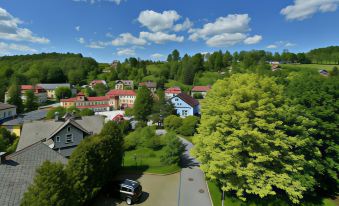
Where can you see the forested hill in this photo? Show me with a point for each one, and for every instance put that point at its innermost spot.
(47, 68)
(328, 55)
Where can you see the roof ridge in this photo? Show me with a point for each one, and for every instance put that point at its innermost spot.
(23, 149)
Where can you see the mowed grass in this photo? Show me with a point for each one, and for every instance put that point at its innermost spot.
(216, 196)
(314, 67)
(147, 160)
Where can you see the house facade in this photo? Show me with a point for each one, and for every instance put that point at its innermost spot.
(171, 92)
(50, 89)
(124, 84)
(185, 105)
(39, 92)
(97, 104)
(152, 86)
(7, 112)
(200, 91)
(95, 82)
(121, 99)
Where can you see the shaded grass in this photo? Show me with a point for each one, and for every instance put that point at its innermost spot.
(314, 67)
(148, 161)
(216, 196)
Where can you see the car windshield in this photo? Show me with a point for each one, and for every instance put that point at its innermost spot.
(137, 189)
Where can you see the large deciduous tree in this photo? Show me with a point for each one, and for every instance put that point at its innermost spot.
(252, 141)
(143, 104)
(63, 93)
(31, 101)
(15, 97)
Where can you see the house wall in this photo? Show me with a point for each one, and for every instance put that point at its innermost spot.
(78, 135)
(182, 108)
(7, 114)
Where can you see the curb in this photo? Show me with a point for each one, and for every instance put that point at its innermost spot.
(208, 189)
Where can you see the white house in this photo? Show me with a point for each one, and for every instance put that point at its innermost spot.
(7, 112)
(185, 105)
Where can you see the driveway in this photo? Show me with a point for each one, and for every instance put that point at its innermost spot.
(157, 190)
(193, 189)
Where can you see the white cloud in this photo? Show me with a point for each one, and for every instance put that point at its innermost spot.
(10, 30)
(303, 9)
(157, 56)
(128, 39)
(96, 1)
(77, 28)
(6, 49)
(272, 46)
(253, 40)
(187, 24)
(81, 40)
(289, 44)
(108, 34)
(125, 52)
(97, 44)
(226, 39)
(231, 24)
(155, 21)
(161, 37)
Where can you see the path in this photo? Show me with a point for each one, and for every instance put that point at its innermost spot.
(193, 189)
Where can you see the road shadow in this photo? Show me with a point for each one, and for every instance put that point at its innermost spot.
(187, 161)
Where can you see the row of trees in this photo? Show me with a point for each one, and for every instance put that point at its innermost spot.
(78, 182)
(271, 137)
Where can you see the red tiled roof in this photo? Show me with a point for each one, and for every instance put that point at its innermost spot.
(93, 106)
(188, 99)
(101, 98)
(69, 100)
(201, 88)
(116, 92)
(26, 87)
(173, 90)
(118, 117)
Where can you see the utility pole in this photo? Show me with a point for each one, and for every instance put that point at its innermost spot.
(223, 198)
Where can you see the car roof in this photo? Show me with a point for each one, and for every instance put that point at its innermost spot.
(130, 183)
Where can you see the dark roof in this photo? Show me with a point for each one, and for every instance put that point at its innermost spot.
(4, 106)
(67, 122)
(28, 117)
(18, 170)
(54, 86)
(188, 99)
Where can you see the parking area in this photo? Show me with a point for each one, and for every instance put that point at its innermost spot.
(157, 190)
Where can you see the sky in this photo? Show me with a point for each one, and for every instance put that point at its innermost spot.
(110, 30)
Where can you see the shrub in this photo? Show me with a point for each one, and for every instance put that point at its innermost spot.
(142, 138)
(172, 122)
(86, 112)
(173, 150)
(197, 96)
(51, 113)
(188, 126)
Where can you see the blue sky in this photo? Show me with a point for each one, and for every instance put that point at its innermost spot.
(150, 29)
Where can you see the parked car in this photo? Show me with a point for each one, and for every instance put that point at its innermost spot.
(129, 191)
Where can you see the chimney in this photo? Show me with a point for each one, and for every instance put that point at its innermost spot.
(2, 157)
(56, 116)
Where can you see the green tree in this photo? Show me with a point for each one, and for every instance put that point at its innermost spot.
(100, 89)
(14, 94)
(172, 122)
(63, 93)
(86, 112)
(255, 143)
(31, 101)
(143, 104)
(175, 55)
(172, 150)
(187, 70)
(188, 126)
(51, 113)
(50, 187)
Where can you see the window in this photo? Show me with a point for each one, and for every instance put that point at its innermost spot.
(68, 129)
(57, 139)
(69, 138)
(184, 113)
(176, 99)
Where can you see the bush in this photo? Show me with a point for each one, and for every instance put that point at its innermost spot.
(142, 138)
(172, 122)
(86, 112)
(51, 113)
(173, 150)
(197, 96)
(188, 126)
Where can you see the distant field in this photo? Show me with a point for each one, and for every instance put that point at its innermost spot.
(310, 66)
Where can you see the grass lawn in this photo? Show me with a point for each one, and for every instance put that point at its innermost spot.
(315, 67)
(232, 201)
(147, 160)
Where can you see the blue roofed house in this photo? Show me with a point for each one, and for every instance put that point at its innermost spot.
(185, 105)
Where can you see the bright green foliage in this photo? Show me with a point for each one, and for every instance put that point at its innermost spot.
(172, 122)
(86, 112)
(51, 113)
(143, 104)
(31, 101)
(100, 89)
(252, 142)
(15, 97)
(93, 163)
(8, 141)
(188, 126)
(143, 137)
(63, 93)
(318, 98)
(50, 187)
(173, 150)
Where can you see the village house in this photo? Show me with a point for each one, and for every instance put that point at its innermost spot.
(324, 72)
(7, 112)
(171, 92)
(50, 89)
(152, 86)
(97, 104)
(124, 84)
(185, 105)
(121, 99)
(39, 92)
(61, 134)
(95, 82)
(200, 91)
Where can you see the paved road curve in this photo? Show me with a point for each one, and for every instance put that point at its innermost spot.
(193, 189)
